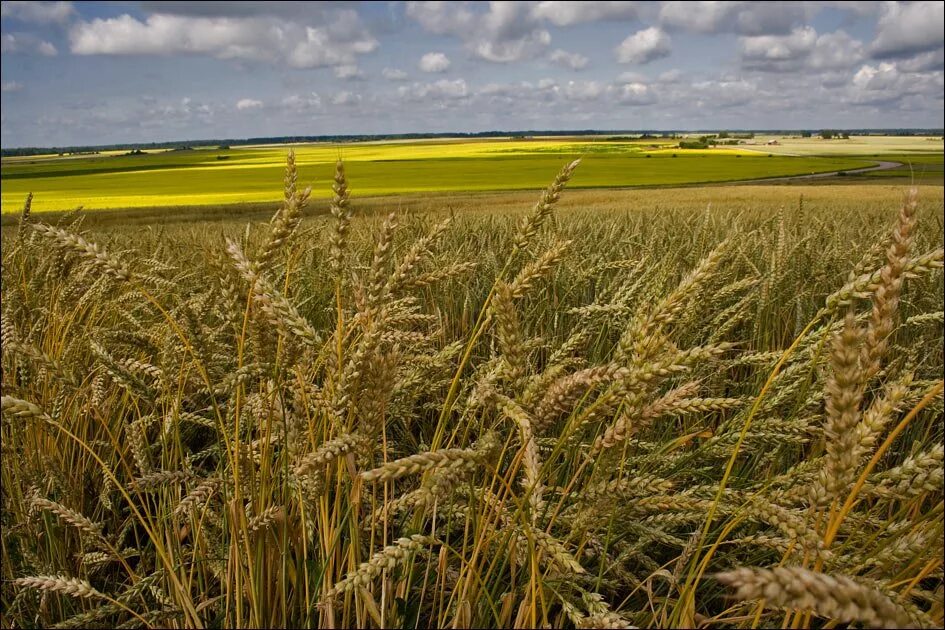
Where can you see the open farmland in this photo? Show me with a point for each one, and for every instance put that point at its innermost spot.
(205, 177)
(852, 146)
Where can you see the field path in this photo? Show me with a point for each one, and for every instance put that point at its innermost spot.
(881, 165)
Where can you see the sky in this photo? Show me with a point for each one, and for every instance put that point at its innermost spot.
(85, 73)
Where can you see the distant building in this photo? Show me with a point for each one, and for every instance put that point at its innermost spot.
(772, 143)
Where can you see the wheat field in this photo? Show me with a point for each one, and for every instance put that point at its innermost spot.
(664, 418)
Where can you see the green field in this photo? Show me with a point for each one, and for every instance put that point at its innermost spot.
(202, 177)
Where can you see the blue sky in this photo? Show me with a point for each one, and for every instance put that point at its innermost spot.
(96, 73)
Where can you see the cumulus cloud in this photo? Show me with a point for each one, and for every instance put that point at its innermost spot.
(889, 86)
(214, 8)
(153, 114)
(434, 62)
(887, 80)
(876, 78)
(563, 13)
(860, 8)
(726, 92)
(670, 76)
(779, 47)
(802, 48)
(337, 42)
(26, 43)
(348, 71)
(505, 32)
(905, 29)
(836, 50)
(346, 98)
(924, 62)
(635, 93)
(394, 74)
(643, 46)
(11, 86)
(298, 102)
(580, 97)
(583, 90)
(442, 89)
(631, 76)
(565, 59)
(248, 103)
(38, 12)
(746, 18)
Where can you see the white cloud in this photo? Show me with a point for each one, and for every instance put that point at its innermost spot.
(889, 86)
(348, 71)
(635, 93)
(26, 43)
(631, 77)
(504, 33)
(643, 46)
(670, 76)
(908, 28)
(779, 47)
(11, 86)
(924, 62)
(434, 62)
(39, 12)
(746, 18)
(700, 17)
(394, 74)
(297, 102)
(861, 8)
(248, 103)
(585, 99)
(337, 42)
(728, 92)
(47, 49)
(836, 50)
(515, 49)
(565, 13)
(442, 89)
(497, 89)
(885, 84)
(583, 90)
(566, 59)
(875, 78)
(802, 48)
(346, 98)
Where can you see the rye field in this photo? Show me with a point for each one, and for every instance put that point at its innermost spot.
(211, 176)
(690, 407)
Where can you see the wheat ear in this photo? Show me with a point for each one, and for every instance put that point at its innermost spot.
(60, 584)
(835, 597)
(388, 558)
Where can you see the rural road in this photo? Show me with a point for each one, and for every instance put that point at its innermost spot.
(880, 166)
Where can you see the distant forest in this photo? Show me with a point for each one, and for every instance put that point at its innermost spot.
(230, 142)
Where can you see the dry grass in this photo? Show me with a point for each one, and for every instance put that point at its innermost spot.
(549, 418)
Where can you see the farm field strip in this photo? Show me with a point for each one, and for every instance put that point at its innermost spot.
(199, 178)
(209, 176)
